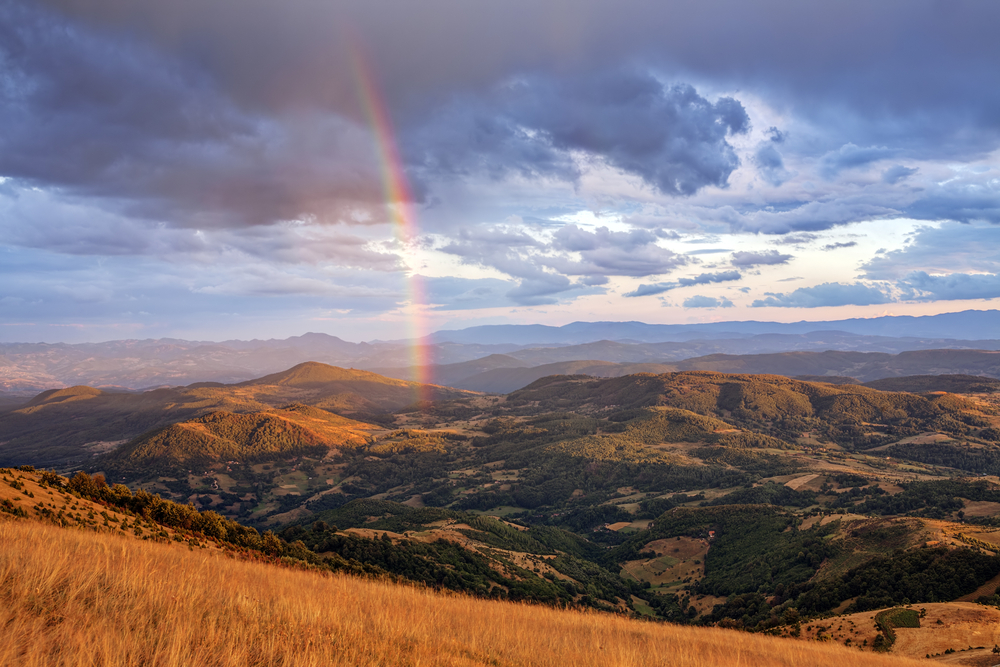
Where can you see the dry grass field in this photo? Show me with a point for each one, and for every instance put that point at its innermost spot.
(71, 596)
(969, 630)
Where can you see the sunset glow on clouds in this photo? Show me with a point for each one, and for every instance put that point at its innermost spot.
(207, 170)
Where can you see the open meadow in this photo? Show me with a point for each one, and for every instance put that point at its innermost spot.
(77, 597)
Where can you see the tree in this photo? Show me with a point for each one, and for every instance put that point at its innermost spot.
(270, 544)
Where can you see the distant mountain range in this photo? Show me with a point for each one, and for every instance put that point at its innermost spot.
(503, 352)
(970, 324)
(505, 373)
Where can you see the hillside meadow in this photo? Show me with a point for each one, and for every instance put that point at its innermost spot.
(78, 597)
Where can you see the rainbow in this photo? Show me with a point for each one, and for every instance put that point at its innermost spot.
(399, 202)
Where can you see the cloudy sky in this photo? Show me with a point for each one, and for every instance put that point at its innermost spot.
(213, 168)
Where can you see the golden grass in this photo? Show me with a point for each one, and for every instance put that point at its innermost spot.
(76, 597)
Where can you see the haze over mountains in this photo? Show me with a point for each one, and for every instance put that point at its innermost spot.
(497, 358)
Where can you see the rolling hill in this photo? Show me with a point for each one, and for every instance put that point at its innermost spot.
(339, 390)
(266, 435)
(66, 426)
(734, 499)
(746, 399)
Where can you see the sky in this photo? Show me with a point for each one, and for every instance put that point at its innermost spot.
(378, 169)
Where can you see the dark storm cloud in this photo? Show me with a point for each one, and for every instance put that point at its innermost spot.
(233, 111)
(749, 258)
(234, 116)
(102, 116)
(827, 294)
(922, 61)
(670, 136)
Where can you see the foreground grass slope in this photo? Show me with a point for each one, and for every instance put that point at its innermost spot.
(75, 597)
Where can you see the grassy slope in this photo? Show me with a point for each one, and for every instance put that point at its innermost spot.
(946, 625)
(54, 426)
(78, 597)
(221, 436)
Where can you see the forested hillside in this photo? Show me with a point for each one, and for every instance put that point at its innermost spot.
(748, 501)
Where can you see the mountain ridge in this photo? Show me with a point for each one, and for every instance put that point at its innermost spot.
(59, 425)
(28, 368)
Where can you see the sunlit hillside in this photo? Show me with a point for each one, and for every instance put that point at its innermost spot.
(67, 426)
(293, 430)
(74, 597)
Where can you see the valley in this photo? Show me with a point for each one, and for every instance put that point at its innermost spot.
(505, 334)
(754, 502)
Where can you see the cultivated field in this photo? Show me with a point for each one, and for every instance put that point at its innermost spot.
(77, 597)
